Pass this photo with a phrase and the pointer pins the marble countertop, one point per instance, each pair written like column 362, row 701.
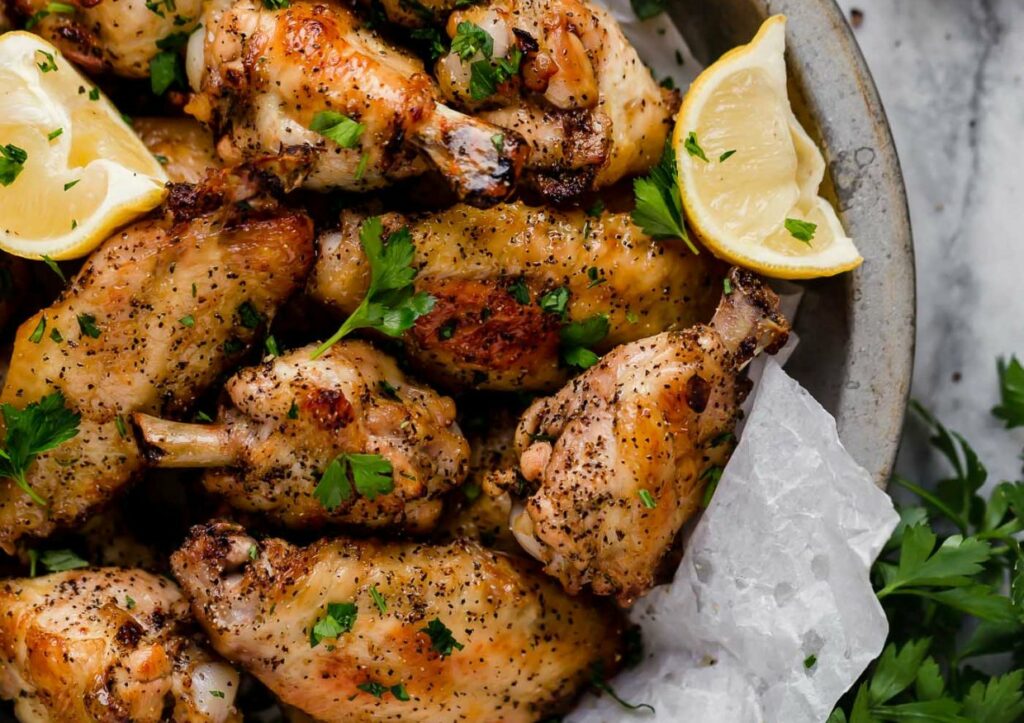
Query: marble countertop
column 951, row 76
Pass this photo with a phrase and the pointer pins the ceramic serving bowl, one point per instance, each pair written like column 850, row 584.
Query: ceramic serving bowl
column 857, row 330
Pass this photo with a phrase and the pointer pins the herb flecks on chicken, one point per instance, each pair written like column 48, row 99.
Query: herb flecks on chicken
column 122, row 347
column 265, row 77
column 617, row 460
column 108, row 644
column 284, row 442
column 465, row 634
column 507, row 280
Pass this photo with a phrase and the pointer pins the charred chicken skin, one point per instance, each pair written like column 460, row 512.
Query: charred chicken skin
column 426, row 633
column 157, row 313
column 581, row 97
column 508, row 278
column 107, row 644
column 284, row 421
column 618, row 457
column 264, row 77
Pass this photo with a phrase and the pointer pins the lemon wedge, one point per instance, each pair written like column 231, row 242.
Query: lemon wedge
column 71, row 170
column 748, row 171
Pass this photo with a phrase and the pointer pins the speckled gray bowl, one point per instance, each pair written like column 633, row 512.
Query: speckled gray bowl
column 856, row 331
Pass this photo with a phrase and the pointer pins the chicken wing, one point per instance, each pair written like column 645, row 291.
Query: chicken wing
column 157, row 313
column 490, row 270
column 618, row 457
column 283, row 422
column 582, row 98
column 107, row 644
column 416, row 633
column 117, row 36
column 182, row 145
column 264, row 77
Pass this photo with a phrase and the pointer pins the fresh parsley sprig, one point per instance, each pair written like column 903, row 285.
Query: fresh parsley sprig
column 659, row 204
column 391, row 304
column 1011, row 384
column 39, row 427
column 368, row 474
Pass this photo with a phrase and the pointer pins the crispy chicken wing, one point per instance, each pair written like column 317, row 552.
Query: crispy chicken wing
column 118, row 36
column 618, row 456
column 107, row 644
column 157, row 313
column 583, row 100
column 263, row 76
column 489, row 269
column 469, row 635
column 283, row 422
column 182, row 145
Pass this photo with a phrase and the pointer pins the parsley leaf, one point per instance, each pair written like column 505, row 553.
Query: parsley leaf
column 647, row 9
column 87, row 325
column 61, row 560
column 692, row 147
column 659, row 205
column 48, row 63
column 1001, row 700
column 433, row 40
column 337, row 127
column 12, row 163
column 276, row 4
column 166, row 67
column 339, row 619
column 52, row 266
column 368, row 474
column 378, row 600
column 441, row 639
column 1011, row 393
column 555, row 301
column 51, row 8
column 39, row 427
column 391, row 305
column 578, row 336
column 486, row 75
column 471, row 39
column 647, row 499
column 801, row 230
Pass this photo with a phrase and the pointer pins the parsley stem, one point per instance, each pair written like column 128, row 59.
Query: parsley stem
column 933, row 500
column 23, row 483
column 343, row 330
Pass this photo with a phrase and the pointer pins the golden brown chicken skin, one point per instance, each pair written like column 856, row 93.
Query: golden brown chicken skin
column 617, row 458
column 107, row 644
column 263, row 76
column 283, row 422
column 518, row 649
column 156, row 314
column 582, row 98
column 489, row 269
column 112, row 36
column 182, row 145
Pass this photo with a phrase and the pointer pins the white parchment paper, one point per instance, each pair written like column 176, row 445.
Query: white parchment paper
column 771, row 615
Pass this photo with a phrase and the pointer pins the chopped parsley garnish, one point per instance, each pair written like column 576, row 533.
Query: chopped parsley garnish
column 519, row 291
column 578, row 336
column 726, row 286
column 554, row 301
column 471, row 491
column 668, row 83
column 39, row 427
column 498, row 141
column 364, row 160
column 378, row 600
column 486, row 75
column 441, row 639
column 659, row 205
column 293, row 411
column 801, row 230
column 71, row 184
column 33, row 560
column 470, row 39
column 161, row 159
column 61, row 560
column 122, row 430
column 217, row 693
column 233, row 346
column 276, row 4
column 1011, row 393
column 432, row 38
column 369, row 474
column 631, row 316
column 37, row 334
column 693, row 147
column 596, row 210
column 55, row 335
column 87, row 325
column 203, row 417
column 712, row 475
column 56, row 133
column 391, row 304
column 340, row 618
column 597, row 679
column 187, row 320
column 159, row 6
column 726, row 156
column 337, row 127
column 254, row 552
column 647, row 9
column 12, row 163
column 647, row 499
column 594, row 274
column 129, row 602
column 94, row 94
column 387, row 389
column 374, row 688
column 447, row 330
column 810, row 661
column 51, row 8
column 166, row 67
column 48, row 64
column 249, row 316
column 270, row 344
column 399, row 692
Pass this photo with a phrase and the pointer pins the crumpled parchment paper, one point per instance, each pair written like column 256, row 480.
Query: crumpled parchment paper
column 771, row 615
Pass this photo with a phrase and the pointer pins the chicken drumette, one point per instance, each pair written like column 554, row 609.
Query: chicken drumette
column 157, row 313
column 265, row 77
column 416, row 632
column 107, row 644
column 581, row 97
column 508, row 279
column 283, row 422
column 618, row 458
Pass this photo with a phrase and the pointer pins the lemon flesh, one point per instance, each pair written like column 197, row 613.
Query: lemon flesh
column 762, row 168
column 86, row 172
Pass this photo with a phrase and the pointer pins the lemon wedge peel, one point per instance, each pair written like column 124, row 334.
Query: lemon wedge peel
column 737, row 207
column 78, row 186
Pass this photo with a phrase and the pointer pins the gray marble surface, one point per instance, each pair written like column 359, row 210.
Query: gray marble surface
column 951, row 76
